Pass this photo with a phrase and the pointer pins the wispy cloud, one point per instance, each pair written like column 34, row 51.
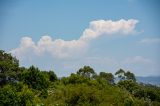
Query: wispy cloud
column 141, row 65
column 60, row 48
column 150, row 40
column 137, row 60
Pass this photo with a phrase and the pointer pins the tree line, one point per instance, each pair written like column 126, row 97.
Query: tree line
column 20, row 86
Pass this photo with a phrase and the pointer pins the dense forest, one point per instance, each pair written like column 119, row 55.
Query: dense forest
column 20, row 86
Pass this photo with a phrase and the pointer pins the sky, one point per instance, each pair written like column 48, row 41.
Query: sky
column 65, row 35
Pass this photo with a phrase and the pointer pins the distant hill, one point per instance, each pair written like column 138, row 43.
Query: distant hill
column 154, row 80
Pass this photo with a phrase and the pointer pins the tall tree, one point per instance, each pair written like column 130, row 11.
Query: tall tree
column 8, row 67
column 130, row 76
column 125, row 75
column 52, row 76
column 86, row 71
column 35, row 79
column 121, row 74
column 107, row 76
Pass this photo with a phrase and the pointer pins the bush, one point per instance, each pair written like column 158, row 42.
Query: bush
column 35, row 79
column 10, row 96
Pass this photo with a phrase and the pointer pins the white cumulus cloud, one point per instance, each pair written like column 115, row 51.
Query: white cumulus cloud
column 60, row 48
column 57, row 48
column 109, row 27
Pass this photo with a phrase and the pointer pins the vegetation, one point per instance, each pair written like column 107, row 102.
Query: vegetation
column 20, row 86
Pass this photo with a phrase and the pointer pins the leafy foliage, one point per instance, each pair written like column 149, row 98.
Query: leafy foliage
column 8, row 68
column 107, row 76
column 86, row 71
column 129, row 85
column 20, row 86
column 122, row 75
column 130, row 76
column 11, row 97
column 35, row 79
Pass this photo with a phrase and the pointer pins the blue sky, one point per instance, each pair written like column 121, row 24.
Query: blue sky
column 60, row 25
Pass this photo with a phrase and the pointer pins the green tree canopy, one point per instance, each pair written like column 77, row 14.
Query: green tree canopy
column 120, row 74
column 86, row 71
column 130, row 76
column 52, row 76
column 107, row 76
column 35, row 79
column 125, row 75
column 8, row 68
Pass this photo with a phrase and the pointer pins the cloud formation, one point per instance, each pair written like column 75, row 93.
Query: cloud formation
column 60, row 48
column 150, row 40
column 141, row 66
column 57, row 48
column 137, row 60
column 109, row 27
